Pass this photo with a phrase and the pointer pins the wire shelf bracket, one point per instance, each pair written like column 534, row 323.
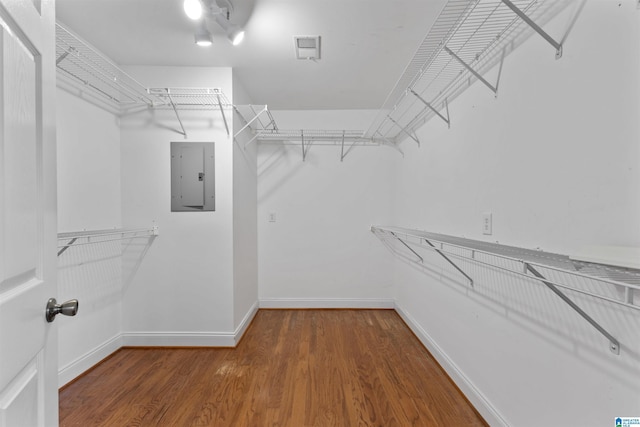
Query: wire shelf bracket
column 175, row 110
column 614, row 345
column 415, row 137
column 443, row 255
column 447, row 120
column 493, row 88
column 535, row 26
column 255, row 123
column 608, row 283
column 304, row 150
column 343, row 153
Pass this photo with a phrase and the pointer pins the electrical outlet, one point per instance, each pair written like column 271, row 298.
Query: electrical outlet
column 272, row 217
column 486, row 223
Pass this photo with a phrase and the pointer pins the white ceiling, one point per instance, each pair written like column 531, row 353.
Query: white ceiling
column 366, row 44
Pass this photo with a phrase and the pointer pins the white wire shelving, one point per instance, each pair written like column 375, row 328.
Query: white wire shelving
column 260, row 126
column 92, row 237
column 469, row 38
column 83, row 66
column 557, row 272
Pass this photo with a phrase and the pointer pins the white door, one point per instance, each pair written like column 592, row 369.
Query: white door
column 28, row 343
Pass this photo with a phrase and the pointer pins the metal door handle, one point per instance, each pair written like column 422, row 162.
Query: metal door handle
column 69, row 308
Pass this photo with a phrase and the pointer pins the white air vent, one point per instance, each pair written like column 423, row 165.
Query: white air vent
column 307, row 47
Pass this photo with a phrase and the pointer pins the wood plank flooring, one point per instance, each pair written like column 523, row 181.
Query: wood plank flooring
column 293, row 368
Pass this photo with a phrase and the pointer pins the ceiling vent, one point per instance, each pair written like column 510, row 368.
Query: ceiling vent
column 307, row 47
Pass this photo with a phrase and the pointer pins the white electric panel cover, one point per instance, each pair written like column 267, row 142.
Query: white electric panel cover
column 192, row 176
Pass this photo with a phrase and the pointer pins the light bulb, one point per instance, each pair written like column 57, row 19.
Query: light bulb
column 238, row 38
column 193, row 9
column 236, row 35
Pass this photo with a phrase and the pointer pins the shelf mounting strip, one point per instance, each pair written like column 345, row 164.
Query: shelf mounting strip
column 560, row 272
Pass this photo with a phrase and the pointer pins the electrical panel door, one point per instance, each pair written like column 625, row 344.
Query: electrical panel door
column 192, row 176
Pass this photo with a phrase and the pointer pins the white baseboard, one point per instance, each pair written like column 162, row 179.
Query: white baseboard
column 326, row 303
column 475, row 396
column 246, row 321
column 189, row 339
column 154, row 339
column 88, row 360
column 177, row 339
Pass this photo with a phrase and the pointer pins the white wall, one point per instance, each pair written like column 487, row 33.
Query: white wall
column 556, row 160
column 319, row 252
column 245, row 226
column 88, row 156
column 177, row 289
column 182, row 291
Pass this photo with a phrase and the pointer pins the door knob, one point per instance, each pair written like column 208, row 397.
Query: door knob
column 69, row 308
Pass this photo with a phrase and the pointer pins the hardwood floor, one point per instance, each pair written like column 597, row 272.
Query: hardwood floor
column 293, row 368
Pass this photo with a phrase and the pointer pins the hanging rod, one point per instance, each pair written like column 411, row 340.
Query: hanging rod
column 69, row 239
column 557, row 272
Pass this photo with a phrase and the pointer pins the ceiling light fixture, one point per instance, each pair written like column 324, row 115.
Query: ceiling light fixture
column 203, row 36
column 219, row 11
column 193, row 9
column 235, row 34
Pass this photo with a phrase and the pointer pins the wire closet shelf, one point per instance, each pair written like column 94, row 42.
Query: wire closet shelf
column 84, row 67
column 467, row 40
column 260, row 126
column 92, row 237
column 558, row 272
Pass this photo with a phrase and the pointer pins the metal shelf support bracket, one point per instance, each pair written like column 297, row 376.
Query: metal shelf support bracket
column 471, row 70
column 408, row 247
column 391, row 143
column 536, row 27
column 442, row 254
column 404, row 130
column 175, row 110
column 67, row 246
column 446, row 119
column 614, row 345
column 65, row 54
column 304, row 149
column 224, row 118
